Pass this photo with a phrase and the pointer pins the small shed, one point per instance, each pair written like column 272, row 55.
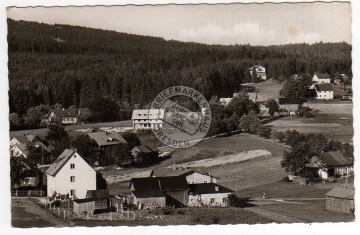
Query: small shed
column 84, row 205
column 340, row 199
column 101, row 198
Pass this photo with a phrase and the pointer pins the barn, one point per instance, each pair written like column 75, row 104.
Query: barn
column 84, row 205
column 100, row 196
column 340, row 199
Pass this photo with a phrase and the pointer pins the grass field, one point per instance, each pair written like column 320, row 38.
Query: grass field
column 267, row 89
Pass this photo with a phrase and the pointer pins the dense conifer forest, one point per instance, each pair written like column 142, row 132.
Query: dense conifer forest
column 72, row 65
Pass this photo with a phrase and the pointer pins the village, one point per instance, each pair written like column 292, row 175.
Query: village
column 253, row 171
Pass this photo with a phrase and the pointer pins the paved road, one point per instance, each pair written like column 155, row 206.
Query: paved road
column 25, row 213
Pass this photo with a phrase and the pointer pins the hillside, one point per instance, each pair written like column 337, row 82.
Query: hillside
column 70, row 65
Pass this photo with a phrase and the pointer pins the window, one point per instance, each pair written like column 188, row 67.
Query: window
column 72, row 178
column 205, row 182
column 212, row 200
column 72, row 192
column 72, row 166
column 225, row 200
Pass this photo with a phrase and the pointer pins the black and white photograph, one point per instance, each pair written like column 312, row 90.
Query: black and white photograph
column 226, row 113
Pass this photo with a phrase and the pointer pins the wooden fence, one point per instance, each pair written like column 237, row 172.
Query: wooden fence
column 30, row 193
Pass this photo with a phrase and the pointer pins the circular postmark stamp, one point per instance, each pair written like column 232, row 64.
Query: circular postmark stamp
column 178, row 125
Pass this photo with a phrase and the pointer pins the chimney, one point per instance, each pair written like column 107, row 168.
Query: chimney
column 159, row 184
column 216, row 188
column 75, row 149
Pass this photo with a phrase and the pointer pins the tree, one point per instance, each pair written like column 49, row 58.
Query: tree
column 16, row 170
column 242, row 105
column 273, row 106
column 103, row 109
column 217, row 127
column 34, row 154
column 32, row 117
column 232, row 123
column 86, row 147
column 100, row 181
column 250, row 123
column 294, row 161
column 280, row 136
column 56, row 132
column 121, row 154
column 15, row 121
column 264, row 132
column 131, row 138
column 233, row 200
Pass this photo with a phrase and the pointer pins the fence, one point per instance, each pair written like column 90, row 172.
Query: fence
column 30, row 193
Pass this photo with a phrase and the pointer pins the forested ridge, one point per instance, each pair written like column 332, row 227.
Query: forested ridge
column 70, row 65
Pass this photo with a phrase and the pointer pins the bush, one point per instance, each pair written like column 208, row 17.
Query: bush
column 280, row 136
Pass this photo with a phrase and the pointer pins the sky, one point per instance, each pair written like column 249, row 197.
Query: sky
column 255, row 24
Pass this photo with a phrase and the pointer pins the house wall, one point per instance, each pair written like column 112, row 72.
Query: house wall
column 220, row 199
column 340, row 204
column 197, row 178
column 79, row 208
column 340, row 170
column 85, row 178
column 179, row 196
column 325, row 95
column 13, row 141
column 160, row 201
column 16, row 152
column 69, row 120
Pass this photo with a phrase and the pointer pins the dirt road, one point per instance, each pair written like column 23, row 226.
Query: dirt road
column 25, row 213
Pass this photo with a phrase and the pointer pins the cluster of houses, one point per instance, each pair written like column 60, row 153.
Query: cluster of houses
column 70, row 115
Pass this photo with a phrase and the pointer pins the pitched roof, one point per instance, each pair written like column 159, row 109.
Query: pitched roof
column 70, row 112
column 25, row 138
column 145, row 148
column 84, row 200
column 60, row 162
column 208, row 188
column 335, row 158
column 322, row 76
column 22, row 148
column 165, row 172
column 324, row 87
column 103, row 138
column 153, row 184
column 291, row 101
column 347, row 193
column 98, row 194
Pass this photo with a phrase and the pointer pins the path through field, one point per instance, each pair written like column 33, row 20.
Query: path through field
column 26, row 214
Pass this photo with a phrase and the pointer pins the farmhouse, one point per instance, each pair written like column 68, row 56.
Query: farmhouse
column 144, row 154
column 209, row 194
column 160, row 191
column 291, row 105
column 330, row 164
column 225, row 101
column 70, row 174
column 85, row 205
column 323, row 91
column 22, row 140
column 192, row 175
column 107, row 141
column 147, row 118
column 321, row 78
column 64, row 116
column 341, row 199
column 260, row 71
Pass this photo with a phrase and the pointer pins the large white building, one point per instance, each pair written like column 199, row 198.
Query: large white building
column 147, row 118
column 323, row 91
column 321, row 78
column 70, row 175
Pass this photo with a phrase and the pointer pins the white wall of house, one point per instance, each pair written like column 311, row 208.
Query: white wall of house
column 13, row 141
column 159, row 201
column 69, row 120
column 323, row 174
column 316, row 79
column 214, row 199
column 197, row 178
column 325, row 95
column 16, row 152
column 85, row 178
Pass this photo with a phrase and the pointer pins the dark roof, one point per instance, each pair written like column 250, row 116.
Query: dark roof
column 22, row 148
column 84, row 200
column 98, row 194
column 347, row 193
column 324, row 87
column 151, row 186
column 83, row 110
column 60, row 162
column 145, row 148
column 323, row 76
column 161, row 172
column 70, row 112
column 103, row 138
column 148, row 193
column 208, row 188
column 337, row 158
column 291, row 101
column 349, row 156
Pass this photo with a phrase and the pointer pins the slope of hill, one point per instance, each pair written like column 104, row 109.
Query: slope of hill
column 71, row 65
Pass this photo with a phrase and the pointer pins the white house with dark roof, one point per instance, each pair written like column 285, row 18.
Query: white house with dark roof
column 260, row 71
column 323, row 91
column 208, row 194
column 70, row 175
column 321, row 78
column 192, row 175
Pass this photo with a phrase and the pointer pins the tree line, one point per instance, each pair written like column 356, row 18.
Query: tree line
column 70, row 65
